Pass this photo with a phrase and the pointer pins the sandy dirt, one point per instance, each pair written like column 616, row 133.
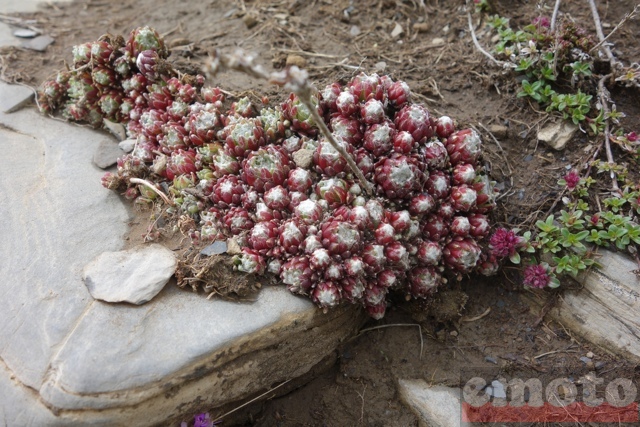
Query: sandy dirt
column 475, row 323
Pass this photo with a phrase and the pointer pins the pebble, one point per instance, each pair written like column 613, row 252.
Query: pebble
column 438, row 41
column 490, row 360
column 303, row 158
column 39, row 43
column 354, row 31
column 233, row 247
column 215, row 248
column 127, row 145
column 14, row 97
column 24, row 33
column 107, row 154
column 453, row 333
column 296, row 60
column 599, row 365
column 380, row 66
column 397, row 31
column 557, row 135
column 421, row 27
column 590, row 355
column 116, row 129
column 250, row 21
column 499, row 131
column 135, row 275
column 585, row 359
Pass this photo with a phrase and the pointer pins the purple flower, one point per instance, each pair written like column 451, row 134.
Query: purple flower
column 504, row 242
column 572, row 179
column 536, row 276
column 202, row 420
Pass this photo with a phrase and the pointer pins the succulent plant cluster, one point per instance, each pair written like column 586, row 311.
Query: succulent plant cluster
column 267, row 178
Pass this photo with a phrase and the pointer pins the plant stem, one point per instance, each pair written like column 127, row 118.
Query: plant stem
column 596, row 19
column 602, row 94
column 297, row 81
column 306, row 100
column 153, row 188
column 477, row 44
column 628, row 16
column 554, row 17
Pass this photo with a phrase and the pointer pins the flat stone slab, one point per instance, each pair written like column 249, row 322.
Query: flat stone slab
column 135, row 275
column 69, row 360
column 14, row 97
column 39, row 43
column 606, row 310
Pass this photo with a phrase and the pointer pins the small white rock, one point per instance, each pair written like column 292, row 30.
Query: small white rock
column 397, row 31
column 557, row 135
column 127, row 145
column 25, row 33
column 437, row 41
column 135, row 275
column 116, row 129
column 303, row 158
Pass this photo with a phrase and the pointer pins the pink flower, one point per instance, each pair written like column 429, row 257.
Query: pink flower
column 504, row 242
column 572, row 179
column 632, row 137
column 536, row 276
column 541, row 21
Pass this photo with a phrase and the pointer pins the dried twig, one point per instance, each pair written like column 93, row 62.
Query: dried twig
column 221, row 417
column 477, row 44
column 627, row 17
column 596, row 19
column 554, row 17
column 603, row 94
column 478, row 317
column 153, row 188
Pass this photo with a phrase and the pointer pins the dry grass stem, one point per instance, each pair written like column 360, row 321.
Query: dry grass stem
column 153, row 188
column 628, row 16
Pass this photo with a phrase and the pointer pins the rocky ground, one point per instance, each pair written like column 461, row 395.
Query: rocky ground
column 479, row 322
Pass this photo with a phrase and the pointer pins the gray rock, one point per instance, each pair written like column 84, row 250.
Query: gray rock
column 116, row 129
column 557, row 135
column 436, row 406
column 127, row 145
column 39, row 43
column 135, row 275
column 25, row 33
column 107, row 154
column 14, row 97
column 68, row 360
column 215, row 248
